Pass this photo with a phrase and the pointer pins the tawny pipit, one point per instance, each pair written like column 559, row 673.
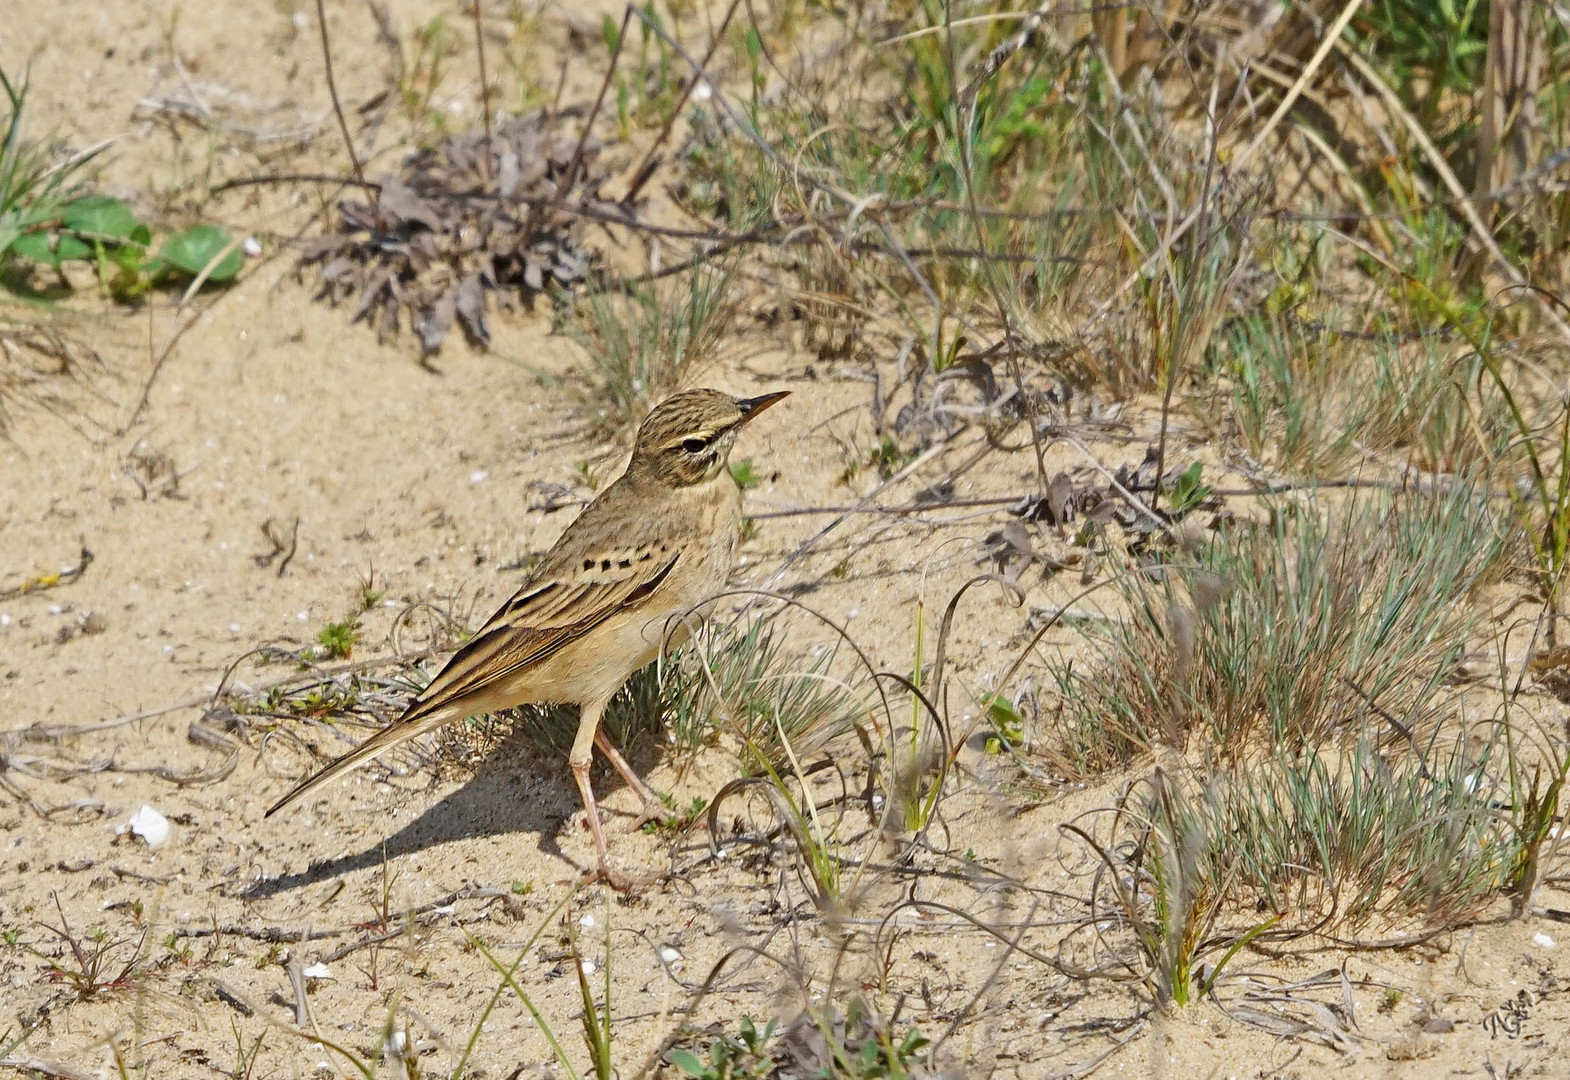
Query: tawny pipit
column 600, row 604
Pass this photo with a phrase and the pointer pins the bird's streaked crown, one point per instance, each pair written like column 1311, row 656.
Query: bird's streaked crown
column 685, row 438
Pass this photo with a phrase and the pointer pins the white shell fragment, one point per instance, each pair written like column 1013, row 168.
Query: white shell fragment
column 318, row 971
column 149, row 824
column 1542, row 940
column 252, row 246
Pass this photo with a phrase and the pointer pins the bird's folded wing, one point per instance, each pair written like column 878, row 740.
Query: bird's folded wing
column 547, row 613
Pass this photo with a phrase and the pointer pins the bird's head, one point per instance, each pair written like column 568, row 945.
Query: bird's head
column 686, row 438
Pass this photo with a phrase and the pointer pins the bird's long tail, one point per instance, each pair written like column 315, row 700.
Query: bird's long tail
column 412, row 724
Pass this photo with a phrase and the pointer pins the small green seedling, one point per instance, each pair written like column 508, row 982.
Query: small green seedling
column 1187, row 492
column 887, row 458
column 746, row 474
column 1008, row 727
column 742, row 1057
column 339, row 638
column 680, row 819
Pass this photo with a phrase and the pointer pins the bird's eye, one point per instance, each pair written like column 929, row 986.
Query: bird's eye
column 695, row 445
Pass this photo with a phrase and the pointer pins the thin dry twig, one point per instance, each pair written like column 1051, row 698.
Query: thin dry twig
column 27, row 1063
column 332, row 90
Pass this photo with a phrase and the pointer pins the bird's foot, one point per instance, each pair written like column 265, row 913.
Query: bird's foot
column 619, row 880
column 653, row 810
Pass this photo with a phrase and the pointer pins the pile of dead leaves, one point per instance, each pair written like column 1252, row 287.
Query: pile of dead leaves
column 471, row 218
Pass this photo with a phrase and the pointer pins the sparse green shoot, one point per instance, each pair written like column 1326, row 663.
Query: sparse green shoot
column 338, row 639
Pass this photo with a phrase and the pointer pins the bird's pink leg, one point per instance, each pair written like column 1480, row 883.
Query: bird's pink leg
column 580, row 759
column 653, row 808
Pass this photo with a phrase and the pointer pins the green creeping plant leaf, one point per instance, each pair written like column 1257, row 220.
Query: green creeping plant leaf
column 102, row 218
column 192, row 250
column 687, row 1063
column 51, row 250
column 1187, row 491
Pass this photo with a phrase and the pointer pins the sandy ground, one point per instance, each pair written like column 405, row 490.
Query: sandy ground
column 270, row 408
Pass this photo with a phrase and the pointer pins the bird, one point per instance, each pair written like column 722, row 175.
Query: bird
column 610, row 594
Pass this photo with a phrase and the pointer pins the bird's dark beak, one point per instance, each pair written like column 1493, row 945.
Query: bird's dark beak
column 752, row 406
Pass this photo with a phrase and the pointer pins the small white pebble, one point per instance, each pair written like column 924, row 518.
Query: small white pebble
column 234, row 628
column 703, row 91
column 1542, row 940
column 586, row 922
column 5, row 620
column 588, row 967
column 852, row 613
column 318, row 971
column 445, row 909
column 478, row 476
column 252, row 246
column 55, row 609
column 669, row 955
column 303, row 616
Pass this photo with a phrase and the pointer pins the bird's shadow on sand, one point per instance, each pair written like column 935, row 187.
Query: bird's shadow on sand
column 515, row 790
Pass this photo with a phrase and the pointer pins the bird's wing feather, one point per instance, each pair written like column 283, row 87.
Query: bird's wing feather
column 543, row 616
column 559, row 604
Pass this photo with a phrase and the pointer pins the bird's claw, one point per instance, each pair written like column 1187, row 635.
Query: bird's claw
column 604, row 873
column 653, row 810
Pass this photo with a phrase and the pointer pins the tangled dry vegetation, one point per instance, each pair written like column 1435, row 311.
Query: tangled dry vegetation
column 476, row 215
column 1285, row 281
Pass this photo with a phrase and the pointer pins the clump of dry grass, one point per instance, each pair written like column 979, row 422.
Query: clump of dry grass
column 1322, row 623
column 45, row 366
column 1315, row 777
column 1329, row 840
column 645, row 341
column 735, row 680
